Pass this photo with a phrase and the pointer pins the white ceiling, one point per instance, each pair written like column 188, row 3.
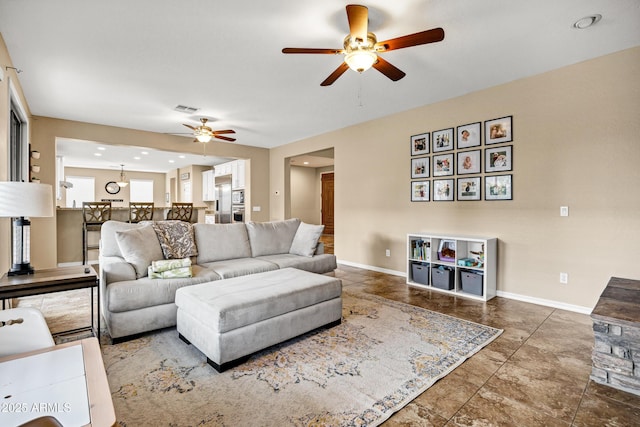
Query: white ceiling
column 129, row 63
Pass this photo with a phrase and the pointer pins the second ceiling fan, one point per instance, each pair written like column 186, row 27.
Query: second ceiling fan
column 361, row 48
column 204, row 133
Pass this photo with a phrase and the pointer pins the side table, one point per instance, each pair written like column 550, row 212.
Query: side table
column 54, row 280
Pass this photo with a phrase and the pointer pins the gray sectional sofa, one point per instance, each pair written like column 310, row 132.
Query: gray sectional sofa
column 132, row 303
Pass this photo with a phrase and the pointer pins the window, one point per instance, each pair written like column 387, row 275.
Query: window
column 83, row 190
column 141, row 190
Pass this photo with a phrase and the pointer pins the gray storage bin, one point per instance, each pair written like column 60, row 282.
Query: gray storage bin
column 442, row 277
column 420, row 272
column 471, row 282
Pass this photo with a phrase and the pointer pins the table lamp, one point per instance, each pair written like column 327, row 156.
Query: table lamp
column 19, row 200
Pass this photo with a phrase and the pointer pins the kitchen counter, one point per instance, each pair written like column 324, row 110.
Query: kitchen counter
column 69, row 229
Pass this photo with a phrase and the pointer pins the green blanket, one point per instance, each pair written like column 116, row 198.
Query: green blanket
column 169, row 264
column 174, row 273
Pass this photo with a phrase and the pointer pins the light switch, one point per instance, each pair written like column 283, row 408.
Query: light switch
column 564, row 210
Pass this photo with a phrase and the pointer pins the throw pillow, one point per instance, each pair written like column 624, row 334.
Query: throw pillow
column 306, row 239
column 176, row 239
column 271, row 238
column 139, row 247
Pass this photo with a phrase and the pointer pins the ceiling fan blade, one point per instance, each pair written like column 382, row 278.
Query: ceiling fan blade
column 358, row 17
column 217, row 132
column 388, row 70
column 334, row 76
column 423, row 37
column 189, row 126
column 310, row 50
column 224, row 137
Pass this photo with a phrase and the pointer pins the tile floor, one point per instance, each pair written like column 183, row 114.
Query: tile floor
column 535, row 374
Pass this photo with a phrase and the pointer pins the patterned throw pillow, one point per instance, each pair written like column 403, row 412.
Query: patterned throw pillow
column 176, row 239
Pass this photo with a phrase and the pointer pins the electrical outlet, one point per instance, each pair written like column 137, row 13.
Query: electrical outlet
column 564, row 210
column 564, row 278
column 387, row 252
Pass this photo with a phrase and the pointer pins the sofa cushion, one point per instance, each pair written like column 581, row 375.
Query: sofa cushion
column 240, row 267
column 270, row 238
column 176, row 238
column 139, row 247
column 217, row 242
column 108, row 244
column 306, row 239
column 145, row 292
column 316, row 264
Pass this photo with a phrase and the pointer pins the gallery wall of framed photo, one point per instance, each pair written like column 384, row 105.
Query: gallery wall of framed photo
column 463, row 163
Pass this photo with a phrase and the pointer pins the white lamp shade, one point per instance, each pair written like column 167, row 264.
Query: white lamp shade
column 26, row 199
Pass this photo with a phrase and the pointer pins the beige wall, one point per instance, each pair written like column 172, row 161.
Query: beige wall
column 575, row 144
column 305, row 203
column 44, row 133
column 103, row 176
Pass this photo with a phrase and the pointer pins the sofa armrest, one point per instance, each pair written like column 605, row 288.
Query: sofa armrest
column 115, row 269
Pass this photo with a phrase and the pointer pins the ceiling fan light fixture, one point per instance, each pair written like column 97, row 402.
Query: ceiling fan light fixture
column 203, row 137
column 360, row 60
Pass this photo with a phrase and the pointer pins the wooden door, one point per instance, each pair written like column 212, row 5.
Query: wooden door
column 327, row 202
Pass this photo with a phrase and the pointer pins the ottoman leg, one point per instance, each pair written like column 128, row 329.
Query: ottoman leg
column 183, row 338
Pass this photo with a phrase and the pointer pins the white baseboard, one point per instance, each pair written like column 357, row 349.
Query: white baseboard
column 545, row 302
column 502, row 294
column 372, row 268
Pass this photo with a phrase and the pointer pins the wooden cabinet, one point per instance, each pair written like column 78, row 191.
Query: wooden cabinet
column 461, row 265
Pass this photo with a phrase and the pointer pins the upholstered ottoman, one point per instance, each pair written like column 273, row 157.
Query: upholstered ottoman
column 230, row 319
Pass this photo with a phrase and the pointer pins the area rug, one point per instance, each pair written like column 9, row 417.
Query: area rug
column 382, row 356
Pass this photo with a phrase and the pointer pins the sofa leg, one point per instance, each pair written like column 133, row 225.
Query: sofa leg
column 183, row 338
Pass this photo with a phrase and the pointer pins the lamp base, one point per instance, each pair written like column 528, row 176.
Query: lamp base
column 20, row 269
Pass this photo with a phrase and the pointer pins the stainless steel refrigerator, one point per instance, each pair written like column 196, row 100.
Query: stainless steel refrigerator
column 223, row 199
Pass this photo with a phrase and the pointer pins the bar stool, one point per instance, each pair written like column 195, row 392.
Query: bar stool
column 180, row 211
column 140, row 212
column 94, row 214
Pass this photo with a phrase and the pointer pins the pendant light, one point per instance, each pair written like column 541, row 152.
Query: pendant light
column 123, row 179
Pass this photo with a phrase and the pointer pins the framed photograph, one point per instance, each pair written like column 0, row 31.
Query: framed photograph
column 468, row 135
column 498, row 187
column 420, row 167
column 468, row 162
column 419, row 191
column 443, row 165
column 443, row 190
column 469, row 188
column 499, row 130
column 443, row 140
column 498, row 159
column 420, row 144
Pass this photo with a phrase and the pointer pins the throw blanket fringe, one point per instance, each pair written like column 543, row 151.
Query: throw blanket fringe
column 169, row 264
column 175, row 273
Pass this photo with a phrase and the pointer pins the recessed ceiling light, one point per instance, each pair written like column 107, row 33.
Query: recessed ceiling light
column 144, row 152
column 182, row 156
column 97, row 154
column 101, row 148
column 305, row 163
column 172, row 161
column 587, row 21
column 137, row 158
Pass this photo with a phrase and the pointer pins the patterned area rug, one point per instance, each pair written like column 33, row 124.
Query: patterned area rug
column 359, row 373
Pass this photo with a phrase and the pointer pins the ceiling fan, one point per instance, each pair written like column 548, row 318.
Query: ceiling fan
column 361, row 48
column 204, row 133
